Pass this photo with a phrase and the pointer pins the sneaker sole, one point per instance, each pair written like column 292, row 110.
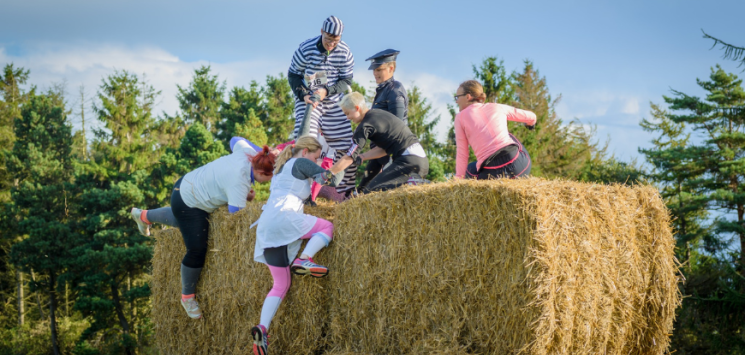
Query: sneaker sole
column 314, row 271
column 257, row 335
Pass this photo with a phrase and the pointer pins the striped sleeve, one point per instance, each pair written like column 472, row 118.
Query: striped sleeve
column 299, row 62
column 347, row 68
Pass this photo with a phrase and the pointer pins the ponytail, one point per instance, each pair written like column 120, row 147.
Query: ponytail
column 290, row 150
column 474, row 88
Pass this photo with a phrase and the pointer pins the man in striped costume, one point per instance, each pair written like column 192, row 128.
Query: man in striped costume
column 323, row 66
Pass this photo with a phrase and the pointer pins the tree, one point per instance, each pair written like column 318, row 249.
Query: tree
column 702, row 180
column 555, row 149
column 422, row 124
column 279, row 107
column 11, row 100
column 240, row 116
column 202, row 99
column 730, row 51
column 10, row 108
column 42, row 161
column 111, row 263
column 493, row 77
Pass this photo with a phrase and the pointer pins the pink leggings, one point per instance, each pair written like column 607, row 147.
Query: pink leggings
column 281, row 274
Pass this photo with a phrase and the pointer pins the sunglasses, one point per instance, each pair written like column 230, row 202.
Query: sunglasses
column 457, row 96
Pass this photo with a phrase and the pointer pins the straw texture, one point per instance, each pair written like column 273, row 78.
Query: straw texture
column 525, row 266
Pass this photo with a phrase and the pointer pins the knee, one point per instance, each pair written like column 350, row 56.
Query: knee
column 195, row 258
column 326, row 227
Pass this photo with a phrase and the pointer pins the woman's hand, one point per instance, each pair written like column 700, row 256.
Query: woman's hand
column 251, row 195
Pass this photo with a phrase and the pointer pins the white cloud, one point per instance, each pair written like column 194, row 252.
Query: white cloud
column 88, row 64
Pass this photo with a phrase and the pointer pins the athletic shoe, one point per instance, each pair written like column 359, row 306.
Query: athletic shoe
column 308, row 267
column 142, row 226
column 258, row 333
column 192, row 308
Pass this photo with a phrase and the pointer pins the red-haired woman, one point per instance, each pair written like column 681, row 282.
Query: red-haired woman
column 483, row 127
column 224, row 181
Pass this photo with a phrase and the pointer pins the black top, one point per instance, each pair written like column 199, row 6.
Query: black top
column 385, row 130
column 390, row 96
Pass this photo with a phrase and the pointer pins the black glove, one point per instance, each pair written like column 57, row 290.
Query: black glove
column 358, row 160
column 530, row 127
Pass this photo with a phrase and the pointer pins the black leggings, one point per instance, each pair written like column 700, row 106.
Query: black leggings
column 511, row 162
column 373, row 169
column 194, row 226
column 398, row 173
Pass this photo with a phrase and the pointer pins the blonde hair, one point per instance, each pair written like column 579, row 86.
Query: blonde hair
column 290, row 150
column 473, row 88
column 351, row 100
column 389, row 64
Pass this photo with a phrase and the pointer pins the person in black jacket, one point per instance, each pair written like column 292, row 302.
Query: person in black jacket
column 391, row 137
column 390, row 95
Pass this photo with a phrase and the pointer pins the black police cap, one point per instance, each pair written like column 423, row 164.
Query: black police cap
column 388, row 55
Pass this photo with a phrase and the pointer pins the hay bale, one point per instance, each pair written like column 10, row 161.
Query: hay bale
column 500, row 267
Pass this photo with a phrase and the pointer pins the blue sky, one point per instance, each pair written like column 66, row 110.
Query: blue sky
column 607, row 60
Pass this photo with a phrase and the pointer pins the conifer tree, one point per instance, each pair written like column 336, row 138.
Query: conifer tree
column 422, row 124
column 42, row 162
column 240, row 116
column 493, row 77
column 202, row 99
column 555, row 148
column 12, row 281
column 279, row 120
column 111, row 264
column 701, row 178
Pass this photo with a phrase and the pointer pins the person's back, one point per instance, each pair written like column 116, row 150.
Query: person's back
column 226, row 180
column 483, row 127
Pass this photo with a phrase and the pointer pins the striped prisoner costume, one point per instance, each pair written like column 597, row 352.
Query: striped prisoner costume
column 309, row 59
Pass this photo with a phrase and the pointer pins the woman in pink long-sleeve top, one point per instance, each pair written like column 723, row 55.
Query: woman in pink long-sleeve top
column 483, row 127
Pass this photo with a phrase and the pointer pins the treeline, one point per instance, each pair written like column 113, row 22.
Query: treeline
column 698, row 162
column 74, row 270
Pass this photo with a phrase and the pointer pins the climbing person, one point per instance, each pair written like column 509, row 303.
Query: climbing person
column 483, row 127
column 390, row 95
column 320, row 71
column 282, row 226
column 392, row 137
column 224, row 181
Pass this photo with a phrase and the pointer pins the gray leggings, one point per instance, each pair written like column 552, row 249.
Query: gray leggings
column 163, row 215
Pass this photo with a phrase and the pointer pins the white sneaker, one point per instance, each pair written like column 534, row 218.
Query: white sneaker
column 142, row 226
column 192, row 307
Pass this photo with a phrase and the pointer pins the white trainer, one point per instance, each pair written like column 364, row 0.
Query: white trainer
column 142, row 226
column 192, row 307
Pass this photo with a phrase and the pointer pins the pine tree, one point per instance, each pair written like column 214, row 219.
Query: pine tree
column 279, row 107
column 702, row 178
column 240, row 116
column 10, row 108
column 730, row 51
column 202, row 99
column 422, row 124
column 12, row 281
column 42, row 162
column 111, row 264
column 493, row 77
column 555, row 149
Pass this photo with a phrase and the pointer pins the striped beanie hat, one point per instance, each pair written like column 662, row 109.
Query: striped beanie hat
column 333, row 26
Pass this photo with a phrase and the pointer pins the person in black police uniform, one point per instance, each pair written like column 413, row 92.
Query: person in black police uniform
column 390, row 95
column 392, row 137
